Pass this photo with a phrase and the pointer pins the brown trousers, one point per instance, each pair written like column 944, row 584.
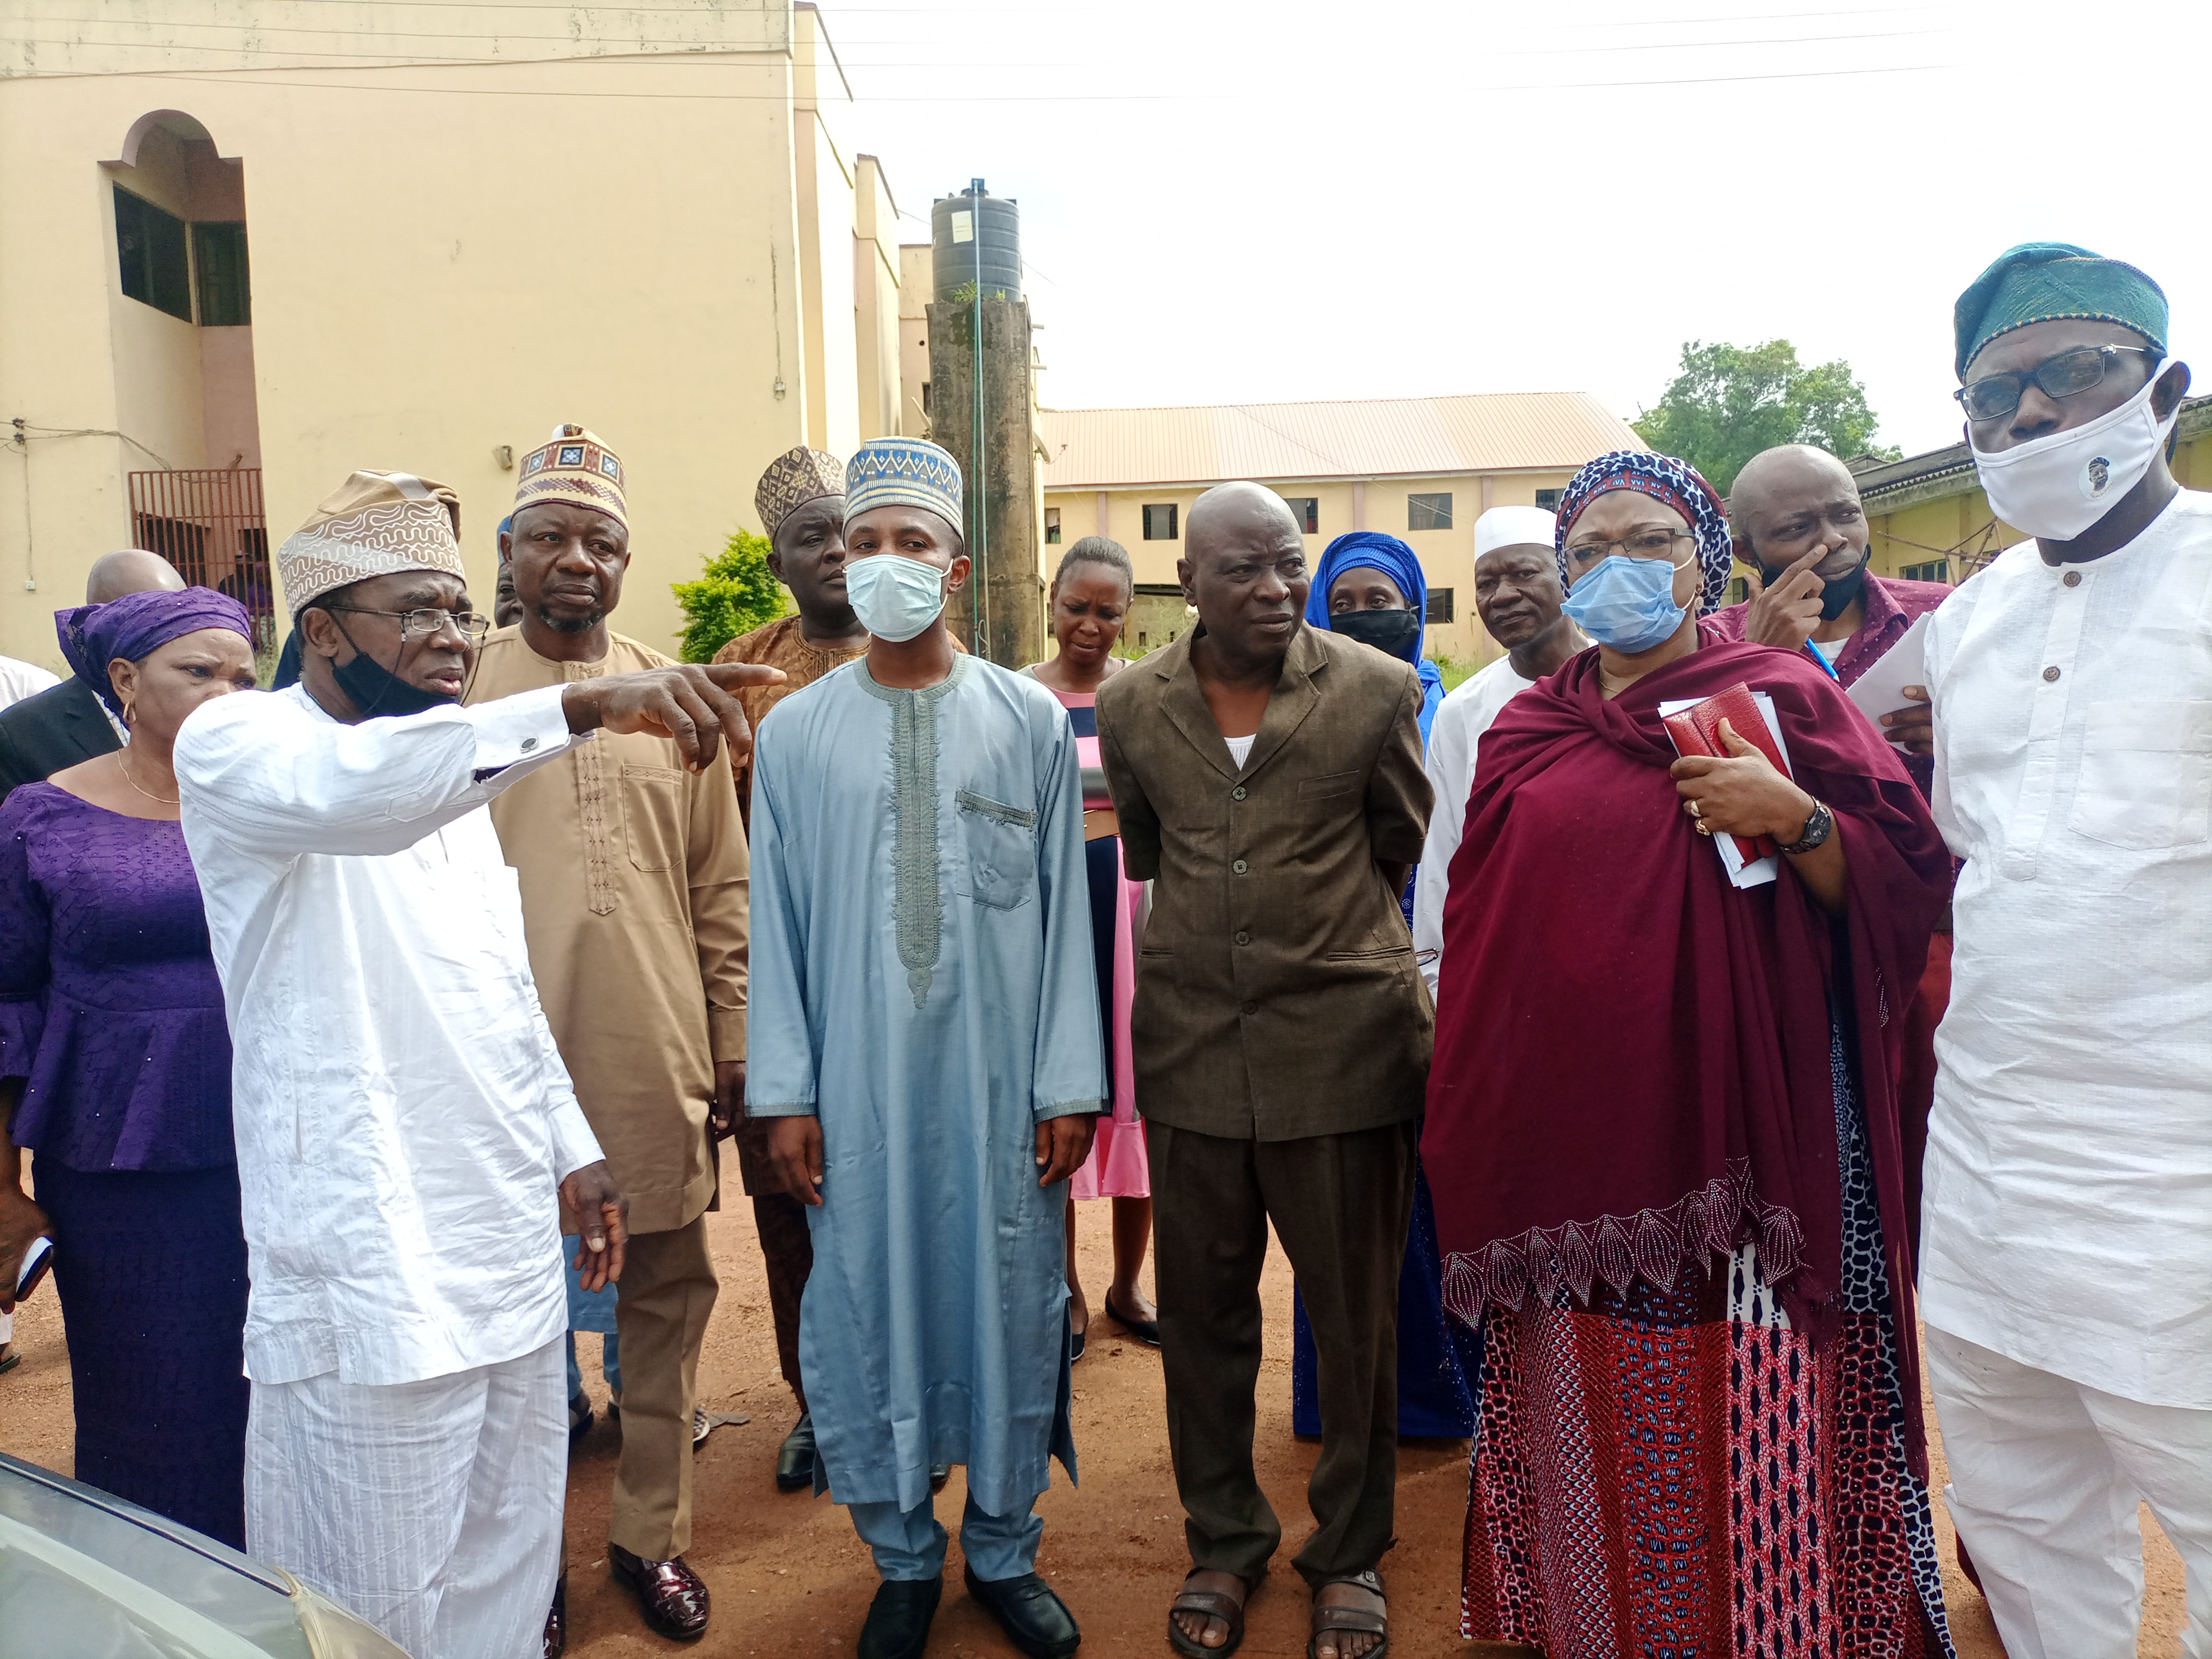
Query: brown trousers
column 667, row 1292
column 787, row 1247
column 1341, row 1204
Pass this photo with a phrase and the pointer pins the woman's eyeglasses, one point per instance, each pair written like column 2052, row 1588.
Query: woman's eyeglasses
column 1995, row 396
column 1653, row 543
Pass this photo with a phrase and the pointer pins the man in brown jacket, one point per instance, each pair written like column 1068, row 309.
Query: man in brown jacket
column 1268, row 778
column 635, row 878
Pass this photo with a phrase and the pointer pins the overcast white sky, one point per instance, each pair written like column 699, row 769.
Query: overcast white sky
column 1226, row 202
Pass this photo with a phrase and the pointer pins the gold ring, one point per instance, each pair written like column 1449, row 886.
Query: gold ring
column 1696, row 811
column 1703, row 828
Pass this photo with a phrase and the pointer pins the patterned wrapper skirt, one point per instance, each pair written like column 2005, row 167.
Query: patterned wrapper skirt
column 1680, row 1473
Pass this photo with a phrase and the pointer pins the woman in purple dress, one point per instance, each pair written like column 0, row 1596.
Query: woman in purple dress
column 115, row 1071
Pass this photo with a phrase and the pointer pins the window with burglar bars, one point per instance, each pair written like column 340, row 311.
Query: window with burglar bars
column 1548, row 499
column 1429, row 512
column 209, row 523
column 1440, row 605
column 1306, row 509
column 1160, row 522
column 1937, row 570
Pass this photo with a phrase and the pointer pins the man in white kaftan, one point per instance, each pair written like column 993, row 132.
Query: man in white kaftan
column 924, row 1012
column 403, row 1116
column 1517, row 594
column 2066, row 1264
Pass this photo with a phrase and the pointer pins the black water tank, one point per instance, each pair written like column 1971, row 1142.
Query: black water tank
column 971, row 226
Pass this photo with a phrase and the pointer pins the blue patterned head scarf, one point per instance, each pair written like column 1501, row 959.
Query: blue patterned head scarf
column 93, row 635
column 1665, row 479
column 1370, row 550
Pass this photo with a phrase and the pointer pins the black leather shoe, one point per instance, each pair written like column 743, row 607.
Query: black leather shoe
column 794, row 1459
column 557, row 1619
column 671, row 1596
column 938, row 1474
column 899, row 1617
column 1033, row 1616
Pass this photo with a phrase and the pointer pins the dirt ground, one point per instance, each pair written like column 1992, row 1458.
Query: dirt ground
column 789, row 1578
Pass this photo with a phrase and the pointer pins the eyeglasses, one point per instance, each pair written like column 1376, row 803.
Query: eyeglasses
column 1995, row 396
column 1650, row 543
column 421, row 624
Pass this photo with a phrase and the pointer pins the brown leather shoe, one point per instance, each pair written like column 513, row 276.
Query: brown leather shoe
column 671, row 1596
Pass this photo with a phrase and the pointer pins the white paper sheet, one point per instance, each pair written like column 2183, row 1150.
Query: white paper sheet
column 1881, row 689
column 1759, row 871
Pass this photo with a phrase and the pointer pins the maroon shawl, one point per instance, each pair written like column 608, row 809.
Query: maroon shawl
column 1631, row 1067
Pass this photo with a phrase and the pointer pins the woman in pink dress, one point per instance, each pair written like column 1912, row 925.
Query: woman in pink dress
column 1090, row 600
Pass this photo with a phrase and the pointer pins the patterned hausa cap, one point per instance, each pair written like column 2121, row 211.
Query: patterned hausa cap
column 904, row 472
column 792, row 479
column 372, row 525
column 575, row 466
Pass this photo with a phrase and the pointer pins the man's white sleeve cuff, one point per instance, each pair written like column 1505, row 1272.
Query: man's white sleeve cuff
column 574, row 1143
column 521, row 730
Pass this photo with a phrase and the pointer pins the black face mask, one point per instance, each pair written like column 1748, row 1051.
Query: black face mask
column 1836, row 596
column 1396, row 632
column 375, row 690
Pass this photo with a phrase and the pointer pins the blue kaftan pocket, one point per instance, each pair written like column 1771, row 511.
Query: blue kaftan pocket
column 999, row 844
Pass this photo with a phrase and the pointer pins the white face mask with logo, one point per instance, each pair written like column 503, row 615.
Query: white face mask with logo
column 2056, row 487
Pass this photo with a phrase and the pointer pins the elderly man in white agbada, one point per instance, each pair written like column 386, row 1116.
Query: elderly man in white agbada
column 403, row 1117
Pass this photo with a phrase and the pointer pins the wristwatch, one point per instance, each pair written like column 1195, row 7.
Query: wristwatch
column 1820, row 825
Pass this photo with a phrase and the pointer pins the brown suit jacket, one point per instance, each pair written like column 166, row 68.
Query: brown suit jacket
column 1276, row 996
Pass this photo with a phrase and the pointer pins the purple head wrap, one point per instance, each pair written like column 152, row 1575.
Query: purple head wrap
column 1663, row 479
column 93, row 635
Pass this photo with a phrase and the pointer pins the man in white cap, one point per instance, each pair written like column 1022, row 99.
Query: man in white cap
column 1518, row 595
column 926, row 1052
column 402, row 1113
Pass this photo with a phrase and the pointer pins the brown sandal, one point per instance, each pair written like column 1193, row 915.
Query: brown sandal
column 1357, row 1620
column 1211, row 1604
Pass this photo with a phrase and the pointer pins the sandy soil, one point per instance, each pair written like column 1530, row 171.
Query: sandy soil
column 789, row 1578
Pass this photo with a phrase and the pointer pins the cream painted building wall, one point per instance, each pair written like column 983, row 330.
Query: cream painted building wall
column 1447, row 556
column 466, row 222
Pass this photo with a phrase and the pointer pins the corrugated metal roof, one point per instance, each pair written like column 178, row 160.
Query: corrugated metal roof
column 1362, row 438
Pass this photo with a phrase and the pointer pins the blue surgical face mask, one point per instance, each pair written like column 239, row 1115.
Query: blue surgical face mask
column 1627, row 603
column 894, row 597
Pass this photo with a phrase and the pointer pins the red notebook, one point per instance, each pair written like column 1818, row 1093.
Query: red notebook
column 1697, row 730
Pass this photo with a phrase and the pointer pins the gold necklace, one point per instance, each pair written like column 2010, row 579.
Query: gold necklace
column 161, row 799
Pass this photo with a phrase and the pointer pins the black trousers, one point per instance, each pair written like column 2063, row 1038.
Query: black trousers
column 1339, row 1204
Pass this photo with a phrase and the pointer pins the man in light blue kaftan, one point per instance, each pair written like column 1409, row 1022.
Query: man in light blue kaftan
column 923, row 986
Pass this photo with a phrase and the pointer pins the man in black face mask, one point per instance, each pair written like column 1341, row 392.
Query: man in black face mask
column 1798, row 524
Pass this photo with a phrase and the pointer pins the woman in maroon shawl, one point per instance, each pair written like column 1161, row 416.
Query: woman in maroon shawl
column 1663, row 1134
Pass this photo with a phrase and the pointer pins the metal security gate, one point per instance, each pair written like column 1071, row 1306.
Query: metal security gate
column 209, row 523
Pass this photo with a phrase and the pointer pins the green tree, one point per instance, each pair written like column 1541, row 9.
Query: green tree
column 1730, row 402
column 735, row 594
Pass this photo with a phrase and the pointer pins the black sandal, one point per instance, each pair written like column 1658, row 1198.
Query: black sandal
column 1355, row 1621
column 1211, row 1604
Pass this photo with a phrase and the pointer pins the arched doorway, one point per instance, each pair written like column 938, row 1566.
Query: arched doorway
column 183, row 325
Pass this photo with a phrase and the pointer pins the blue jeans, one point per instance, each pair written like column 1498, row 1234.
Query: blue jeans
column 610, row 1364
column 910, row 1545
column 589, row 1310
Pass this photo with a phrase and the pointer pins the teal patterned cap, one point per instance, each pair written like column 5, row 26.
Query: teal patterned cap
column 904, row 472
column 2043, row 282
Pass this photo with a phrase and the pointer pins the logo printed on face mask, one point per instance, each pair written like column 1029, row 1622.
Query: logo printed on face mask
column 2054, row 487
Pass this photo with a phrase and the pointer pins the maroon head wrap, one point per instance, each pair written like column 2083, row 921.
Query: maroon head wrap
column 93, row 635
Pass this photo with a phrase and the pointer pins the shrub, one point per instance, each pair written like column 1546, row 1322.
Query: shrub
column 735, row 594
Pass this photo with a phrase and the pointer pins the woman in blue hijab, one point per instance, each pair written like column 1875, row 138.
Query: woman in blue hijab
column 1391, row 615
column 1369, row 588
